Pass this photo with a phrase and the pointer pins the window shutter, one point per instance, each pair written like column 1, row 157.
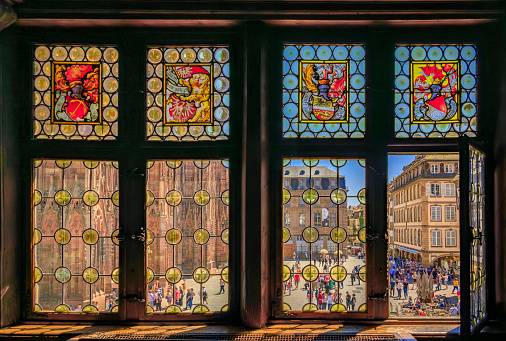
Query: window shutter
column 443, row 189
column 427, row 189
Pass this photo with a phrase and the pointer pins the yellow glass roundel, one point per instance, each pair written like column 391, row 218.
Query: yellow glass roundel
column 37, row 197
column 150, row 198
column 173, row 197
column 310, row 234
column 362, row 273
column 91, row 164
column 338, row 273
column 115, row 198
column 286, row 273
column 91, row 198
column 361, row 196
column 201, row 197
column 173, row 236
column 338, row 235
column 37, row 274
column 62, row 197
column 90, row 309
column 225, row 197
column 62, row 274
column 62, row 308
column 173, row 275
column 362, row 235
column 286, row 196
column 114, row 236
column 63, row 163
column 286, row 234
column 115, row 275
column 309, row 308
column 150, row 275
column 150, row 237
column 310, row 273
column 201, row 275
column 90, row 275
column 200, row 309
column 37, row 236
column 173, row 309
column 338, row 196
column 90, row 236
column 201, row 236
column 174, row 164
column 224, row 236
column 310, row 196
column 224, row 274
column 62, row 236
column 337, row 308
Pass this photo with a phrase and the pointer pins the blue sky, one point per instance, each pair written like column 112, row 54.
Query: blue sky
column 396, row 162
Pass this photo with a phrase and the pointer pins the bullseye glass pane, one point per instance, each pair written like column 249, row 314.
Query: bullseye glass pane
column 188, row 236
column 74, row 217
column 324, row 235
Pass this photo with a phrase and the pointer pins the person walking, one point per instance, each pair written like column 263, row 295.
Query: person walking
column 405, row 285
column 204, row 295
column 455, row 285
column 348, row 300
column 399, row 289
column 353, row 302
column 222, row 286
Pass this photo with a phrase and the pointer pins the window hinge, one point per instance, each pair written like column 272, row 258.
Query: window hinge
column 141, row 236
column 132, row 297
column 383, row 297
column 276, row 309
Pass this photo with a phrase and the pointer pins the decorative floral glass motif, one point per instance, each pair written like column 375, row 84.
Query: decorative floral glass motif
column 435, row 90
column 324, row 91
column 324, row 235
column 187, row 241
column 478, row 245
column 188, row 93
column 75, row 92
column 74, row 236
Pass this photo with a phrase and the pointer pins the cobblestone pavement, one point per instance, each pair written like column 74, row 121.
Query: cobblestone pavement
column 298, row 296
column 215, row 300
column 396, row 303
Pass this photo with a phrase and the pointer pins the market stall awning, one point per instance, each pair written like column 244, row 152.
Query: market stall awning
column 408, row 249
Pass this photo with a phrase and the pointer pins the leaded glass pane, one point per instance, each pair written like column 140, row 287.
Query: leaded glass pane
column 435, row 90
column 188, row 235
column 75, row 92
column 188, row 93
column 324, row 254
column 323, row 91
column 75, row 219
column 478, row 245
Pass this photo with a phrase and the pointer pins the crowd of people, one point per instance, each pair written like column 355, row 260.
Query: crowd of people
column 323, row 291
column 159, row 298
column 407, row 274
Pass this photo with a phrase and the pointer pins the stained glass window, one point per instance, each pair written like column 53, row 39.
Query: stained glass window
column 188, row 235
column 324, row 267
column 75, row 224
column 188, row 93
column 75, row 92
column 324, row 91
column 477, row 221
column 435, row 90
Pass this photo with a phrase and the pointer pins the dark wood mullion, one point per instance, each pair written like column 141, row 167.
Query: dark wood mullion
column 465, row 241
column 255, row 201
